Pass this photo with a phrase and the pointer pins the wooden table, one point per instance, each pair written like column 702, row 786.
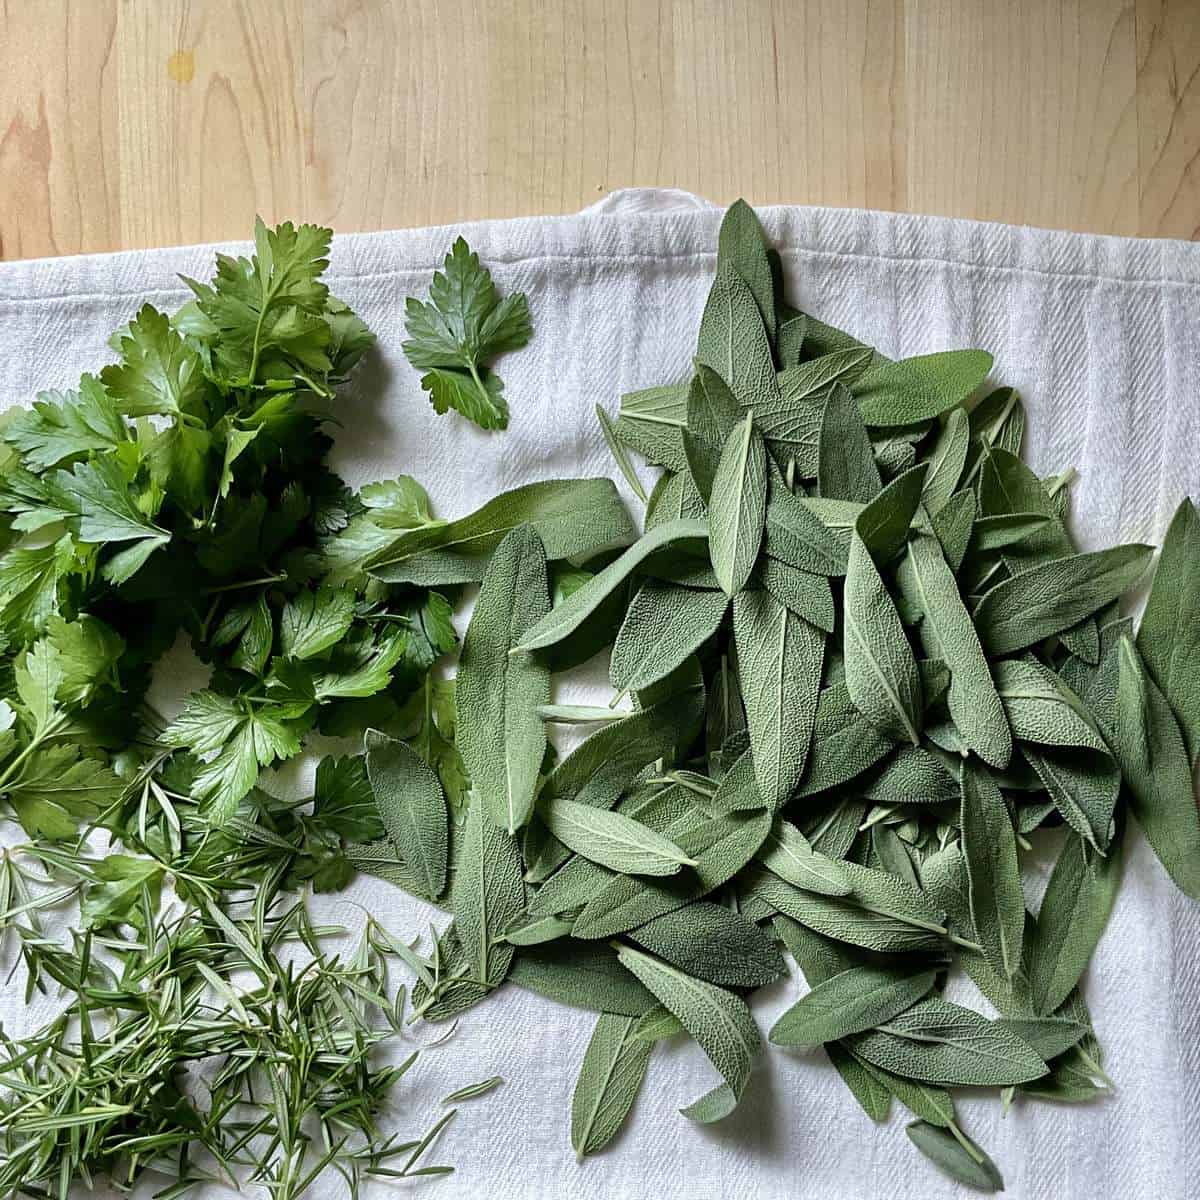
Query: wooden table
column 127, row 123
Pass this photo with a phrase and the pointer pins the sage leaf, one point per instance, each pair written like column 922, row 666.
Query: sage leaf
column 712, row 412
column 851, row 1002
column 807, row 595
column 537, row 931
column 566, row 617
column 1083, row 785
column 500, row 735
column 881, row 672
column 789, row 854
column 792, row 423
column 779, row 662
column 965, row 1163
column 712, row 942
column 412, row 808
column 657, row 1025
column 997, row 423
column 574, row 518
column 794, row 534
column 953, row 525
column 738, row 507
column 946, row 461
column 939, row 1042
column 890, row 853
column 844, row 743
column 487, row 896
column 600, row 768
column 674, row 498
column 1005, row 530
column 817, row 956
column 620, row 453
column 1007, row 485
column 733, row 340
column 846, row 467
column 1158, row 772
column 580, row 974
column 1042, row 709
column 790, row 335
column 947, row 633
column 652, row 420
column 880, row 913
column 663, row 626
column 884, row 523
column 610, row 1077
column 1075, row 909
column 742, row 245
column 923, row 1100
column 993, row 873
column 915, row 389
column 1049, row 1036
column 611, row 839
column 1169, row 635
column 1054, row 595
column 721, row 846
column 910, row 775
column 872, row 1095
column 718, row 1020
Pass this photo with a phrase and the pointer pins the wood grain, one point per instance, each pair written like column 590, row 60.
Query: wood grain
column 129, row 123
column 1168, row 105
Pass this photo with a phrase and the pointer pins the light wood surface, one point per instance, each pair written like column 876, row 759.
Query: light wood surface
column 129, row 123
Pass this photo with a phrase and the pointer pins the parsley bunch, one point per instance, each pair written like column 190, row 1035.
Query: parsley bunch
column 185, row 490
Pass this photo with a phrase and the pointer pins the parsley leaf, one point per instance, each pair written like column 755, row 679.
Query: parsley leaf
column 268, row 312
column 104, row 511
column 87, row 654
column 57, row 787
column 312, row 622
column 233, row 738
column 116, row 895
column 159, row 373
column 463, row 326
column 32, row 585
column 63, row 425
column 343, row 802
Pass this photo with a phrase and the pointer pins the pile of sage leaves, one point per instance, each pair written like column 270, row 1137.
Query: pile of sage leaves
column 858, row 664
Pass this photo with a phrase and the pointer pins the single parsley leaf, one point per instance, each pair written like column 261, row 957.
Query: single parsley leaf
column 390, row 506
column 36, row 500
column 63, row 425
column 343, row 802
column 104, row 511
column 462, row 326
column 178, row 457
column 268, row 313
column 312, row 622
column 159, row 373
column 32, row 584
column 57, row 788
column 234, row 739
column 116, row 895
column 87, row 651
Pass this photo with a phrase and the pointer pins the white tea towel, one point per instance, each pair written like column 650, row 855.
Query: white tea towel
column 1102, row 338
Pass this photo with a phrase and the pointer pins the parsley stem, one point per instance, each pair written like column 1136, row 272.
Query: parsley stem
column 244, row 583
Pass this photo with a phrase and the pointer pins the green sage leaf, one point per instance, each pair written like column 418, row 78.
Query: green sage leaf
column 500, row 735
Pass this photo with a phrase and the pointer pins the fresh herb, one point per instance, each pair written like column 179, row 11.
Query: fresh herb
column 867, row 664
column 461, row 328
